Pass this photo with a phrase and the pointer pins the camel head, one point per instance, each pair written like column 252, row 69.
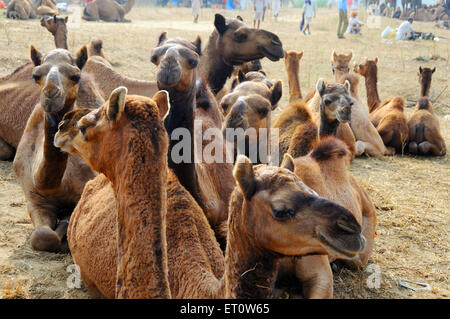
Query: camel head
column 53, row 23
column 58, row 74
column 254, row 76
column 425, row 75
column 287, row 217
column 251, row 66
column 238, row 43
column 99, row 136
column 340, row 62
column 292, row 59
column 336, row 100
column 176, row 60
column 366, row 68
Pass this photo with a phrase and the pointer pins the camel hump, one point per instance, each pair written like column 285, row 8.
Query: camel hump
column 398, row 101
column 329, row 148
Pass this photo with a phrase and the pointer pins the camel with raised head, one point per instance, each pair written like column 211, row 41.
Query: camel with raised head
column 388, row 117
column 292, row 65
column 137, row 233
column 368, row 141
column 340, row 64
column 425, row 76
column 107, row 10
column 57, row 26
column 424, row 132
column 231, row 44
column 51, row 180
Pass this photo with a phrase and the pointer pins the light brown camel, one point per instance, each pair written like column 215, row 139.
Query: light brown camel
column 46, row 8
column 57, row 26
column 231, row 44
column 388, row 117
column 338, row 95
column 137, row 233
column 292, row 65
column 368, row 141
column 424, row 132
column 326, row 171
column 51, row 180
column 208, row 178
column 19, row 94
column 425, row 75
column 340, row 64
column 20, row 9
column 107, row 10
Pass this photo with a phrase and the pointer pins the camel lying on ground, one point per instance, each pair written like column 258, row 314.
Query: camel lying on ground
column 107, row 10
column 137, row 233
column 25, row 9
column 51, row 180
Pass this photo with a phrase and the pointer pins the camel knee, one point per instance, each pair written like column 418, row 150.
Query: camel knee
column 412, row 148
column 360, row 148
column 45, row 239
column 424, row 147
column 6, row 151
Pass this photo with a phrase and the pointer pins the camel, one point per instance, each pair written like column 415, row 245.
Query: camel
column 292, row 64
column 335, row 95
column 57, row 26
column 51, row 181
column 340, row 64
column 425, row 75
column 424, row 132
column 137, row 233
column 19, row 94
column 25, row 9
column 368, row 140
column 326, row 171
column 231, row 44
column 208, row 178
column 388, row 117
column 46, row 8
column 107, row 10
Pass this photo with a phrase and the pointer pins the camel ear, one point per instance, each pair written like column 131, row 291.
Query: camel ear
column 220, row 23
column 433, row 70
column 347, row 85
column 320, row 86
column 420, row 69
column 350, row 55
column 299, row 55
column 241, row 76
column 116, row 104
column 35, row 56
column 333, row 55
column 162, row 101
column 288, row 162
column 376, row 60
column 198, row 45
column 244, row 176
column 81, row 56
column 162, row 38
column 66, row 19
column 240, row 18
column 275, row 93
column 234, row 83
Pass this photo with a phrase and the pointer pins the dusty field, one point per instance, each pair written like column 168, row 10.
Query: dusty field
column 411, row 194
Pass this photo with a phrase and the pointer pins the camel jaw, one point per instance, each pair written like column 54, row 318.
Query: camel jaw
column 271, row 55
column 339, row 251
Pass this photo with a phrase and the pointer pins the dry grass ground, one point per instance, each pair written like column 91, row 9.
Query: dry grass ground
column 411, row 194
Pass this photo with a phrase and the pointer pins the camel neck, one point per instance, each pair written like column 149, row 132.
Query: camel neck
column 326, row 125
column 139, row 183
column 61, row 38
column 295, row 92
column 373, row 100
column 214, row 68
column 425, row 88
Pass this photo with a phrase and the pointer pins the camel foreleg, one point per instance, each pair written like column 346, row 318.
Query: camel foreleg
column 316, row 276
column 6, row 151
column 47, row 234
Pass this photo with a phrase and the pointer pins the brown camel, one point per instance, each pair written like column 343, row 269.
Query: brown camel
column 292, row 64
column 231, row 44
column 424, row 132
column 368, row 141
column 19, row 94
column 20, row 9
column 107, row 10
column 57, row 26
column 46, row 8
column 208, row 178
column 425, row 75
column 137, row 233
column 326, row 171
column 388, row 117
column 334, row 95
column 51, row 181
column 340, row 64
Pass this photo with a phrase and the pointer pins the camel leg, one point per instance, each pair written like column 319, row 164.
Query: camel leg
column 316, row 276
column 360, row 147
column 6, row 151
column 412, row 148
column 424, row 147
column 368, row 148
column 43, row 237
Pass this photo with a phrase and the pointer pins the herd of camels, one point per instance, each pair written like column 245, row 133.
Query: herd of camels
column 90, row 149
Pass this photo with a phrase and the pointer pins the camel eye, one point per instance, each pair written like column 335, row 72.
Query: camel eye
column 240, row 37
column 154, row 59
column 283, row 214
column 193, row 63
column 75, row 78
column 36, row 77
column 328, row 101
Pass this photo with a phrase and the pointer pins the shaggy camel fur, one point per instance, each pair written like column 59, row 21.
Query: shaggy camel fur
column 340, row 64
column 292, row 65
column 209, row 178
column 107, row 10
column 19, row 94
column 388, row 117
column 137, row 233
column 25, row 9
column 52, row 181
column 368, row 140
column 424, row 132
column 233, row 43
column 326, row 170
column 335, row 95
column 57, row 26
column 425, row 75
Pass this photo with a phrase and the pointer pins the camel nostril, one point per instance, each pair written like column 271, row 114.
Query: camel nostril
column 348, row 226
column 51, row 92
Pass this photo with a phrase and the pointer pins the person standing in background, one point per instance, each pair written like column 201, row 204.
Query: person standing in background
column 308, row 13
column 242, row 4
column 355, row 4
column 258, row 8
column 276, row 4
column 343, row 19
column 196, row 5
column 266, row 3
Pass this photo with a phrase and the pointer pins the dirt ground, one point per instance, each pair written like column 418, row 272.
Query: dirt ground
column 411, row 194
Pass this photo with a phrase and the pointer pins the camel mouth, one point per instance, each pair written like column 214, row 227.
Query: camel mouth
column 61, row 141
column 167, row 80
column 347, row 249
column 344, row 117
column 274, row 54
column 54, row 104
